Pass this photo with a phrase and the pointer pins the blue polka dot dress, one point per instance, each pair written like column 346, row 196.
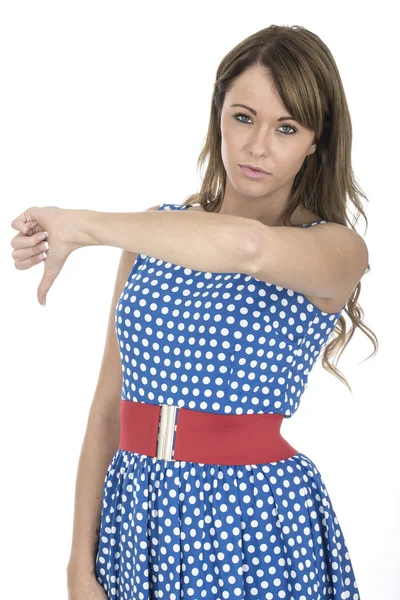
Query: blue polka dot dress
column 232, row 344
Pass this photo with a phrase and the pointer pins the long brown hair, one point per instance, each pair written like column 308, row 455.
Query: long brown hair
column 297, row 59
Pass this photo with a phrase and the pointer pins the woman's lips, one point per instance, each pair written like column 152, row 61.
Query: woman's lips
column 253, row 174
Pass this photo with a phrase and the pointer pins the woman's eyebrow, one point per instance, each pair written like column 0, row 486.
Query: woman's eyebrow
column 284, row 118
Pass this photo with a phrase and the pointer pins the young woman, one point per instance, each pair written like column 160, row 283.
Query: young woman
column 221, row 308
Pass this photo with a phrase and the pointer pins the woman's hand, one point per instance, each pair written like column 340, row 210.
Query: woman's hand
column 63, row 238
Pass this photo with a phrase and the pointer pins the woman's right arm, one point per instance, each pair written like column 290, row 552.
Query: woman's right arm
column 100, row 443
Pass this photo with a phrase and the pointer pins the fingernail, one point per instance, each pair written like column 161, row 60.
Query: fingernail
column 43, row 235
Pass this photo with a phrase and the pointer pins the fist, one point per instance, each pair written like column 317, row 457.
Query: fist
column 61, row 240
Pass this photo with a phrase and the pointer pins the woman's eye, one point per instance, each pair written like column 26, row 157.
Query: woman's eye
column 291, row 127
column 241, row 115
column 294, row 129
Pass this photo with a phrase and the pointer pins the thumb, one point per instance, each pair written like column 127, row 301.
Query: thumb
column 52, row 267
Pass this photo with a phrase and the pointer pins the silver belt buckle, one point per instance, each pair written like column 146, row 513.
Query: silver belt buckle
column 166, row 431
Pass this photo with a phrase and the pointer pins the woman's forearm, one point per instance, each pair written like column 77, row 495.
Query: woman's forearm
column 203, row 242
column 99, row 445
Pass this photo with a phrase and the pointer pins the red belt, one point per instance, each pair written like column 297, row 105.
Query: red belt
column 175, row 433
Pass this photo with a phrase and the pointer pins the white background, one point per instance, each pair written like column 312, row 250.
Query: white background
column 96, row 97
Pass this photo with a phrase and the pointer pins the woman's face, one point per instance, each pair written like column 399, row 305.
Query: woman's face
column 262, row 139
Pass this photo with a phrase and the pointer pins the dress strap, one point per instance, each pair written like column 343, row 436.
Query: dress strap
column 172, row 206
column 310, row 224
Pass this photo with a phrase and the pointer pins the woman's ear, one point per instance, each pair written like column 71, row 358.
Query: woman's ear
column 313, row 148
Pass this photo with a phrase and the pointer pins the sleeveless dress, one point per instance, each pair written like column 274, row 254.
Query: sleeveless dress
column 232, row 344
